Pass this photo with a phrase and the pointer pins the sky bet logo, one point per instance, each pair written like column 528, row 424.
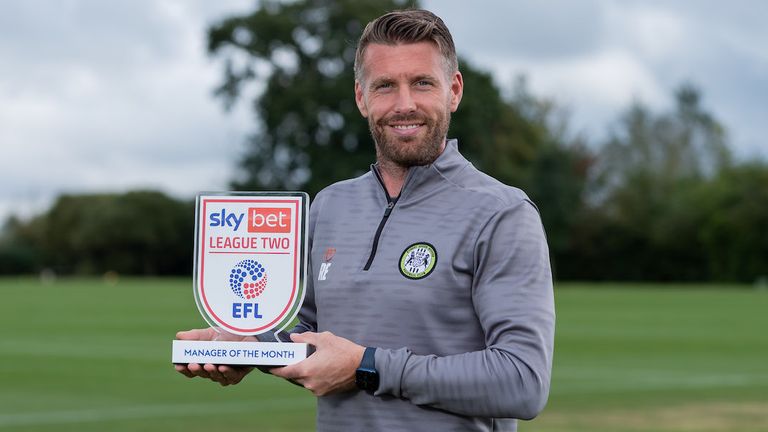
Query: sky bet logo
column 260, row 220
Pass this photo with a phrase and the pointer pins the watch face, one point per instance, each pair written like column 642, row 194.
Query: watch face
column 366, row 379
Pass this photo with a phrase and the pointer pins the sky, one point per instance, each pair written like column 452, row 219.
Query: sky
column 108, row 96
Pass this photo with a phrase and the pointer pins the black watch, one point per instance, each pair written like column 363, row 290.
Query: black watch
column 366, row 376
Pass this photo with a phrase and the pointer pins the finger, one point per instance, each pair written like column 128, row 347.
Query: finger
column 214, row 374
column 196, row 334
column 182, row 369
column 306, row 337
column 230, row 375
column 288, row 372
column 222, row 335
column 234, row 375
column 198, row 370
column 278, row 371
column 186, row 335
column 299, row 381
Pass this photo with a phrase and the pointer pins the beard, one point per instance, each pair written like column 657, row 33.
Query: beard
column 410, row 151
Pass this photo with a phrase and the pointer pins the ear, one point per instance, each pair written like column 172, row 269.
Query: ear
column 457, row 90
column 360, row 99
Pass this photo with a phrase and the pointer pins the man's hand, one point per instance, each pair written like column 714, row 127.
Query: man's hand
column 330, row 369
column 222, row 374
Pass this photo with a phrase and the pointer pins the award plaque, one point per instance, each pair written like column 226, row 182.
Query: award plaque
column 249, row 277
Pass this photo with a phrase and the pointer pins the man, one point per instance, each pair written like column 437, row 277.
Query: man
column 439, row 290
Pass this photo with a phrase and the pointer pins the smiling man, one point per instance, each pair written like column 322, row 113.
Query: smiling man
column 407, row 92
column 430, row 299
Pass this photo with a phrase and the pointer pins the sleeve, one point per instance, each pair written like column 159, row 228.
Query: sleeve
column 513, row 298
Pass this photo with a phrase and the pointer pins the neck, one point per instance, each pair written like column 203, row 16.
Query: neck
column 393, row 176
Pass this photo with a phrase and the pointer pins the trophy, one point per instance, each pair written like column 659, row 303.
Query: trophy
column 249, row 276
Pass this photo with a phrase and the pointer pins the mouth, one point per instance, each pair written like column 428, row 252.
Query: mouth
column 406, row 128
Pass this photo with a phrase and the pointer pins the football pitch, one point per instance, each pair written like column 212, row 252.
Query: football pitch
column 86, row 355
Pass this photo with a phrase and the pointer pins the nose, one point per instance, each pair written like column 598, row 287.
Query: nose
column 405, row 102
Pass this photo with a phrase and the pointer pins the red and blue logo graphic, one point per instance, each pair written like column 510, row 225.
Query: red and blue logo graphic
column 248, row 279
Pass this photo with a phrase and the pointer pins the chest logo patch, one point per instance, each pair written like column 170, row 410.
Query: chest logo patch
column 418, row 260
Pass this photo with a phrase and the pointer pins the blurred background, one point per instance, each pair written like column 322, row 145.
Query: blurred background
column 637, row 127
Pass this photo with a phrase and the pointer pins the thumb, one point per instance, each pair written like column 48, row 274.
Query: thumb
column 196, row 334
column 306, row 337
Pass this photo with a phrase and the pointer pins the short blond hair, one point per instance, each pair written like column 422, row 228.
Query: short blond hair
column 404, row 27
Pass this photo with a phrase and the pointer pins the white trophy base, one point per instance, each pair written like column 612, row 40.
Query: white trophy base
column 238, row 353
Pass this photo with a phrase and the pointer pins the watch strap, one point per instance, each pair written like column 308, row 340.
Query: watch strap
column 366, row 376
column 369, row 359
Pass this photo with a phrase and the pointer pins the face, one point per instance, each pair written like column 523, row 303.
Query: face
column 408, row 99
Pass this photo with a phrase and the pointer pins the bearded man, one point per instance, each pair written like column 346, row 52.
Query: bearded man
column 436, row 310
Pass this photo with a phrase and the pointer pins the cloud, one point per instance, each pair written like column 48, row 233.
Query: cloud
column 110, row 97
column 652, row 33
column 594, row 88
column 529, row 28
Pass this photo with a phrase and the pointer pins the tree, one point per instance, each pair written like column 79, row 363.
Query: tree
column 140, row 232
column 18, row 253
column 687, row 143
column 734, row 229
column 648, row 195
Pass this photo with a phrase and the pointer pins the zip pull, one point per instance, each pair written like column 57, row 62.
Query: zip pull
column 389, row 208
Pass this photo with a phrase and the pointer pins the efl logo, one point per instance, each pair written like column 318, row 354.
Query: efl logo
column 269, row 220
column 247, row 280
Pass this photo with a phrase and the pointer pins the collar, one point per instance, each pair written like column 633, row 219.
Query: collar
column 424, row 180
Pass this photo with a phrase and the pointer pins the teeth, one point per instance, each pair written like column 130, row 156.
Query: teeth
column 405, row 127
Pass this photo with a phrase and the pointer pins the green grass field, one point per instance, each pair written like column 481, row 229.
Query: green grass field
column 83, row 355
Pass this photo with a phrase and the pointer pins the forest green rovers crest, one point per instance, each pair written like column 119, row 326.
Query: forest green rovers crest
column 418, row 260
